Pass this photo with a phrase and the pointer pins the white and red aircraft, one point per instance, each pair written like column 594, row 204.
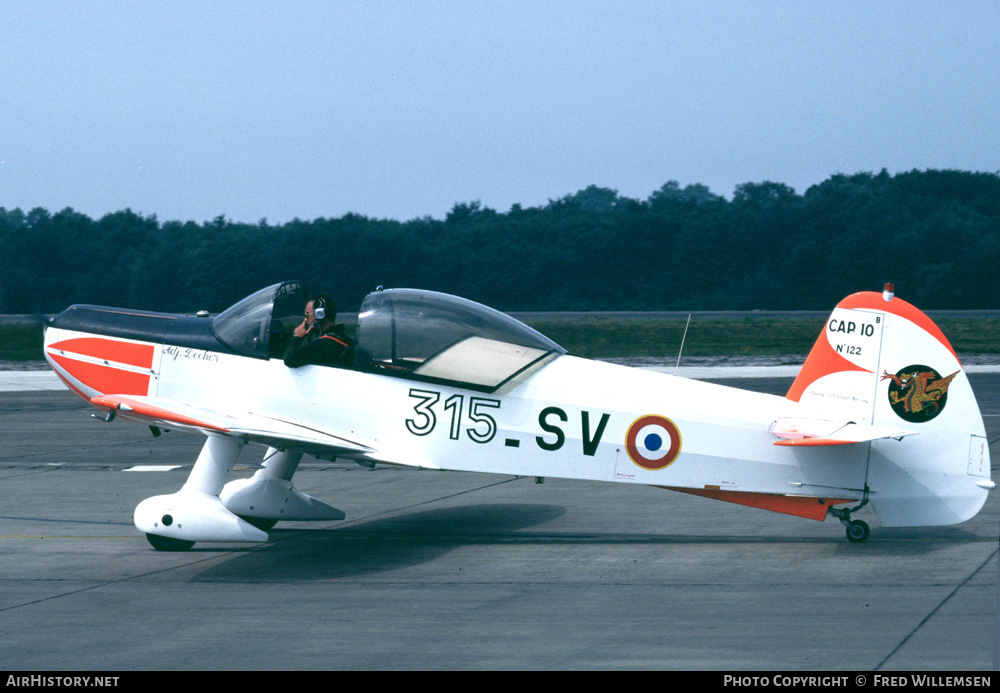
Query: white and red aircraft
column 880, row 413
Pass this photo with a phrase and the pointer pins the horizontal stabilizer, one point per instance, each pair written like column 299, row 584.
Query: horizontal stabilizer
column 801, row 431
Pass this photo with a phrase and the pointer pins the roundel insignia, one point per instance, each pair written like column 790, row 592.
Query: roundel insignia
column 918, row 393
column 653, row 442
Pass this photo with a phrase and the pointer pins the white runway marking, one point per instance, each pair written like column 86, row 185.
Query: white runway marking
column 153, row 468
column 29, row 381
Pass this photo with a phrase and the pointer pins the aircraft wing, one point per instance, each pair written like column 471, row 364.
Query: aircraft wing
column 801, row 431
column 249, row 426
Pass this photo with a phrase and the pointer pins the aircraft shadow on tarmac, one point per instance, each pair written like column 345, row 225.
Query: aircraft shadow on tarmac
column 380, row 545
column 412, row 539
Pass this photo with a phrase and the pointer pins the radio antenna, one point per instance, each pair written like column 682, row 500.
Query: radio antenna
column 682, row 344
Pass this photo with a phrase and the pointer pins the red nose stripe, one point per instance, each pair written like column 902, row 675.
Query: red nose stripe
column 140, row 355
column 104, row 379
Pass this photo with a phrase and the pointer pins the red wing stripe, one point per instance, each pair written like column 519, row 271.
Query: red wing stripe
column 814, row 442
column 153, row 412
column 140, row 355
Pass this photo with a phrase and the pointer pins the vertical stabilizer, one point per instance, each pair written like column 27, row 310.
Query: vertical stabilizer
column 883, row 362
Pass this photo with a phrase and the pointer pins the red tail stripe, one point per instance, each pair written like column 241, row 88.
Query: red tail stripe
column 822, row 360
column 897, row 306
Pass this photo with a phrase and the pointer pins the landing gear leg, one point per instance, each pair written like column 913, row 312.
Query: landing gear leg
column 270, row 496
column 176, row 521
column 857, row 530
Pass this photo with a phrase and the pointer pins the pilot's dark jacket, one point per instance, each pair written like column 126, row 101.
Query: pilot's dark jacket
column 331, row 348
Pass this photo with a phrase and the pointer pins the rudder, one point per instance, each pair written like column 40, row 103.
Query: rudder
column 883, row 362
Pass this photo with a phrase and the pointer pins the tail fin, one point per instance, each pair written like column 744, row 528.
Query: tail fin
column 881, row 361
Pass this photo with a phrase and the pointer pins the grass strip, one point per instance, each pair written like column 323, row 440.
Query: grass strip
column 629, row 337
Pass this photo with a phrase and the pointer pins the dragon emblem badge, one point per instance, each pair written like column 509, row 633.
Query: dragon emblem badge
column 918, row 393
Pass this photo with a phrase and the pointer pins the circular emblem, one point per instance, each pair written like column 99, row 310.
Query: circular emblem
column 918, row 393
column 653, row 442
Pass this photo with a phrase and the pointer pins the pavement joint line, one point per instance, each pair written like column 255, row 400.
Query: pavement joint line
column 104, row 583
column 354, row 521
column 936, row 609
column 432, row 500
column 103, row 523
column 126, row 443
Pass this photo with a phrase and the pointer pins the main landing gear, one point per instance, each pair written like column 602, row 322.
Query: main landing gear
column 161, row 543
column 209, row 509
column 857, row 530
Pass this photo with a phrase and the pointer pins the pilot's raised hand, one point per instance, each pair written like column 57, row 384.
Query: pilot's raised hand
column 303, row 329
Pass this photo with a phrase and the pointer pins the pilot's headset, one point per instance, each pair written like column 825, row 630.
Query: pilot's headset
column 321, row 306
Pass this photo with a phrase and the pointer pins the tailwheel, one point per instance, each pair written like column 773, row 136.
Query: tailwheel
column 161, row 543
column 858, row 531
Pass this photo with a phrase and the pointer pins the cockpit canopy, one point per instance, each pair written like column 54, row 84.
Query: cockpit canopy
column 262, row 323
column 423, row 335
column 432, row 336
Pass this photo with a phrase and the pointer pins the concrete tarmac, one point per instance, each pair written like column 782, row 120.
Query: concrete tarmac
column 442, row 570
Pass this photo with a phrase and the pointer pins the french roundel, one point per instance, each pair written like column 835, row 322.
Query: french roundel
column 653, row 441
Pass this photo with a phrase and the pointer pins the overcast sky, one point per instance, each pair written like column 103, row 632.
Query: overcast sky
column 189, row 110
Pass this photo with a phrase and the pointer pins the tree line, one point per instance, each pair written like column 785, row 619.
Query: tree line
column 935, row 234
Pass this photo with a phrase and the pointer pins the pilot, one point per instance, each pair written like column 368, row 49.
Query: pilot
column 319, row 339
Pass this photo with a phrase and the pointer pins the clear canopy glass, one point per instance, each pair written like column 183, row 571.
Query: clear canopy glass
column 261, row 324
column 437, row 337
column 423, row 335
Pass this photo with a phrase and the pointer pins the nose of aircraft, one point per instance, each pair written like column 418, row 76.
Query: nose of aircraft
column 93, row 366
